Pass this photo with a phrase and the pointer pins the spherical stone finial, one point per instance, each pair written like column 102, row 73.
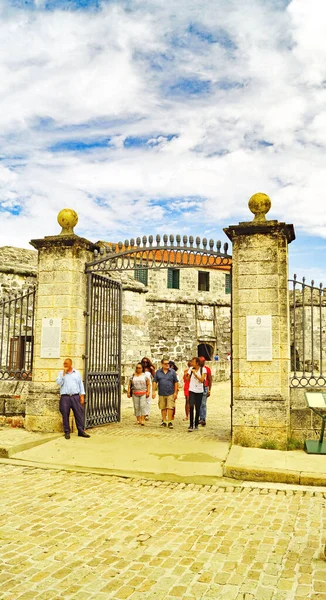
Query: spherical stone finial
column 259, row 204
column 68, row 219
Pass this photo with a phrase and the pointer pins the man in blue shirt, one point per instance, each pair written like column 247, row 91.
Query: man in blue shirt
column 72, row 396
column 167, row 382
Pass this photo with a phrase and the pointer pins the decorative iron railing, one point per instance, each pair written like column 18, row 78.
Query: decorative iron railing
column 142, row 254
column 307, row 334
column 16, row 335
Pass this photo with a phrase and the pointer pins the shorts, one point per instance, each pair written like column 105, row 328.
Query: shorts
column 165, row 402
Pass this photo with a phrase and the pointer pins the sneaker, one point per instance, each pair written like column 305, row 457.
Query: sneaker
column 163, row 424
column 170, row 425
column 196, row 427
column 146, row 418
column 203, row 423
column 190, row 429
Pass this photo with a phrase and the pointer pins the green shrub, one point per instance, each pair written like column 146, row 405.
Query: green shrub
column 294, row 444
column 269, row 445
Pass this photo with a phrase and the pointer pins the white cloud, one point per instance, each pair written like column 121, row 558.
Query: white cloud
column 259, row 123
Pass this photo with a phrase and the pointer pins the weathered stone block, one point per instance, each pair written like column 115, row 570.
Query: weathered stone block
column 14, row 406
column 300, row 418
column 259, row 436
column 48, row 424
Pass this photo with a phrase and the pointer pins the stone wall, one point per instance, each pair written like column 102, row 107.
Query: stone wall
column 304, row 423
column 157, row 284
column 158, row 321
column 18, row 269
column 13, row 395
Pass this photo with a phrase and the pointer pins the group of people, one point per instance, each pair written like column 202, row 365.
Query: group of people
column 145, row 382
column 143, row 386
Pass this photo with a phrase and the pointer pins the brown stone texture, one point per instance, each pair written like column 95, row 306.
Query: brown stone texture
column 18, row 269
column 61, row 293
column 260, row 287
column 77, row 535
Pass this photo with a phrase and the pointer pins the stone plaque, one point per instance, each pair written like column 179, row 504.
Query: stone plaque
column 51, row 338
column 205, row 329
column 259, row 338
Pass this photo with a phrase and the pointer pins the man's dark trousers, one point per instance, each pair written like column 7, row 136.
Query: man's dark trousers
column 194, row 402
column 72, row 402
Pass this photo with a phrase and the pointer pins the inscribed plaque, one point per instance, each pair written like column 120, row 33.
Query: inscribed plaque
column 259, row 338
column 51, row 338
column 315, row 399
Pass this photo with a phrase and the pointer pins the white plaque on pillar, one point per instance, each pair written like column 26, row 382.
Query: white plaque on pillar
column 51, row 338
column 259, row 338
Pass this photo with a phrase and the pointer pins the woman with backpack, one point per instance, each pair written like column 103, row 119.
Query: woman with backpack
column 196, row 377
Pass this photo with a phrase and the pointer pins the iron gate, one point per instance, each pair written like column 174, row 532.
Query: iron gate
column 104, row 303
column 103, row 351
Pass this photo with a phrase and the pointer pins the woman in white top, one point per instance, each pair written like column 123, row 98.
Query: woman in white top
column 149, row 370
column 139, row 388
column 197, row 376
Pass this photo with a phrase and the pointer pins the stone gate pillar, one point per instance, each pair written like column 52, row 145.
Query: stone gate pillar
column 61, row 293
column 260, row 346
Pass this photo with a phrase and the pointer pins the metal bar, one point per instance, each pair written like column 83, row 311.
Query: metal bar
column 8, row 336
column 320, row 333
column 322, row 431
column 96, row 315
column 109, row 330
column 119, row 355
column 26, row 352
column 294, row 326
column 312, row 327
column 20, row 349
column 87, row 345
column 231, row 342
column 32, row 329
column 106, row 328
column 12, row 365
column 303, row 328
column 2, row 331
column 101, row 323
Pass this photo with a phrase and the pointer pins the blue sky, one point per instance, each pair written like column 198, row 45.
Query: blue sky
column 161, row 117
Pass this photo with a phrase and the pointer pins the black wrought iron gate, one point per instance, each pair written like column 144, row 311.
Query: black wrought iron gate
column 104, row 304
column 103, row 351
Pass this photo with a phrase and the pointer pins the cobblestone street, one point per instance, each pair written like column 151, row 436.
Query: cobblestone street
column 73, row 535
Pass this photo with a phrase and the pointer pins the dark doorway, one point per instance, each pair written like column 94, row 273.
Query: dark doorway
column 206, row 350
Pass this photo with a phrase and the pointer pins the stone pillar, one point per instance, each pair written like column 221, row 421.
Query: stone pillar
column 61, row 293
column 260, row 411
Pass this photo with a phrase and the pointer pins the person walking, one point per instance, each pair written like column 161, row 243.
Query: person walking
column 196, row 375
column 148, row 368
column 72, row 397
column 173, row 366
column 166, row 381
column 138, row 388
column 186, row 383
column 206, row 393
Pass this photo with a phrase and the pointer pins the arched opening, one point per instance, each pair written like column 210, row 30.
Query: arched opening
column 206, row 350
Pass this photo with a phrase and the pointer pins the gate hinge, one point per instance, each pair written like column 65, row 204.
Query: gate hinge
column 85, row 313
column 84, row 356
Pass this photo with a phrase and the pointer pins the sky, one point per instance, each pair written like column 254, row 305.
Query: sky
column 152, row 116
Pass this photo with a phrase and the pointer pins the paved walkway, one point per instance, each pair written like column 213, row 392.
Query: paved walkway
column 149, row 451
column 201, row 457
column 84, row 536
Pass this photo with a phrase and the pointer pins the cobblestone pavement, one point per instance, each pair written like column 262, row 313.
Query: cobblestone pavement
column 72, row 535
column 218, row 418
